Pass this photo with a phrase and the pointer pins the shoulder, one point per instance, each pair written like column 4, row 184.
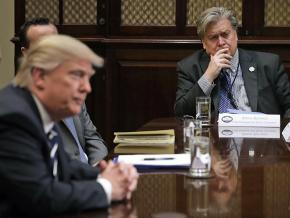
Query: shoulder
column 263, row 57
column 18, row 108
column 195, row 57
column 10, row 96
column 188, row 62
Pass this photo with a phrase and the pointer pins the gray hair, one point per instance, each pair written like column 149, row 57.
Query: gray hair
column 50, row 52
column 213, row 15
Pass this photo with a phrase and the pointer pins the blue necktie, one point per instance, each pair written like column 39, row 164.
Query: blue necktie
column 226, row 100
column 70, row 124
column 54, row 141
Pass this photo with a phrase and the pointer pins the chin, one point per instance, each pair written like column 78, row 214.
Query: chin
column 77, row 110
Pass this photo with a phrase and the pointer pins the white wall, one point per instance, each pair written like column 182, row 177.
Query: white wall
column 6, row 47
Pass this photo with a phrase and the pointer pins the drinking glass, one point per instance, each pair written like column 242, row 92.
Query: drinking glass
column 203, row 110
column 200, row 153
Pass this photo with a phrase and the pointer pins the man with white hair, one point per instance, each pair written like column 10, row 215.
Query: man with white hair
column 79, row 135
column 37, row 176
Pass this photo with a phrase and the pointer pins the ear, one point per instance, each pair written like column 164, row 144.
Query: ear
column 23, row 50
column 38, row 77
column 203, row 45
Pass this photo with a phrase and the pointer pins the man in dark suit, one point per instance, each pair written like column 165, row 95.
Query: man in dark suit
column 234, row 78
column 81, row 139
column 37, row 177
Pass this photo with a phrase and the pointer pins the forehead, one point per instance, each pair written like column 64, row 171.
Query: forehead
column 78, row 65
column 222, row 25
column 34, row 32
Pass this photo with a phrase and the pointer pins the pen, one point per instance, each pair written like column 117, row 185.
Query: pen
column 159, row 158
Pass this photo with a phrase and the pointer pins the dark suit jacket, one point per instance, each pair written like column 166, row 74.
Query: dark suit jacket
column 26, row 182
column 267, row 87
column 90, row 140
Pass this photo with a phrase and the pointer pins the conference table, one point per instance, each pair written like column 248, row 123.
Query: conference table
column 249, row 178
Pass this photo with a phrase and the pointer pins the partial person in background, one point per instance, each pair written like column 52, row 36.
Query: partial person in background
column 80, row 136
column 234, row 78
column 37, row 176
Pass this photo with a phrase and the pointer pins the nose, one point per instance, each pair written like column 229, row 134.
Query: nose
column 221, row 41
column 86, row 85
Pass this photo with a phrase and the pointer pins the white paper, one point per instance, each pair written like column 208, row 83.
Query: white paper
column 182, row 160
column 248, row 132
column 262, row 120
column 286, row 133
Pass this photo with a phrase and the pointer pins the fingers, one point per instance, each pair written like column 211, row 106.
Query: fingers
column 222, row 58
column 131, row 174
column 123, row 178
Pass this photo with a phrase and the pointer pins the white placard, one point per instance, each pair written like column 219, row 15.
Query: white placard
column 248, row 132
column 262, row 120
column 286, row 133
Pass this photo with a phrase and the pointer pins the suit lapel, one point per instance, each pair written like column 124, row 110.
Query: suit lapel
column 79, row 130
column 77, row 125
column 250, row 72
column 204, row 61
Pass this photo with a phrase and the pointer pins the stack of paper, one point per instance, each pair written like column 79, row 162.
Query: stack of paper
column 145, row 142
column 156, row 160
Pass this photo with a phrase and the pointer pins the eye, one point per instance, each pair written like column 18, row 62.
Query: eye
column 213, row 37
column 77, row 73
column 226, row 34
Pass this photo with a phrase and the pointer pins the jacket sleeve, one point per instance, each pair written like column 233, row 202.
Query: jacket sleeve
column 95, row 146
column 187, row 88
column 282, row 86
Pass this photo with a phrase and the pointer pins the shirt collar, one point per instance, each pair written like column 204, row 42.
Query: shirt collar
column 45, row 117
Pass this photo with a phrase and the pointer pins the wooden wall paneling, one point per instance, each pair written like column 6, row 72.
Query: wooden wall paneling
column 95, row 101
column 111, row 100
column 253, row 17
column 146, row 91
column 19, row 9
column 114, row 22
column 180, row 16
column 19, row 17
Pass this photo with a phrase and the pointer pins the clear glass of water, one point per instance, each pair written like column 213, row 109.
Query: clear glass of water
column 203, row 110
column 200, row 153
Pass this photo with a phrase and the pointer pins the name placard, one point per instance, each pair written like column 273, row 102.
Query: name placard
column 249, row 132
column 263, row 120
column 286, row 133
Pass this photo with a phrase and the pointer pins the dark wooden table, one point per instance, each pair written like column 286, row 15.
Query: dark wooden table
column 254, row 183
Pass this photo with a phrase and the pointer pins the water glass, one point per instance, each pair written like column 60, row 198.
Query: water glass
column 200, row 153
column 203, row 110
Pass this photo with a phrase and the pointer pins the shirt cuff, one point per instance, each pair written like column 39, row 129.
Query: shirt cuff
column 107, row 186
column 205, row 85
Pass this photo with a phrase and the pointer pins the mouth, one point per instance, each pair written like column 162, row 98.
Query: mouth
column 79, row 101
